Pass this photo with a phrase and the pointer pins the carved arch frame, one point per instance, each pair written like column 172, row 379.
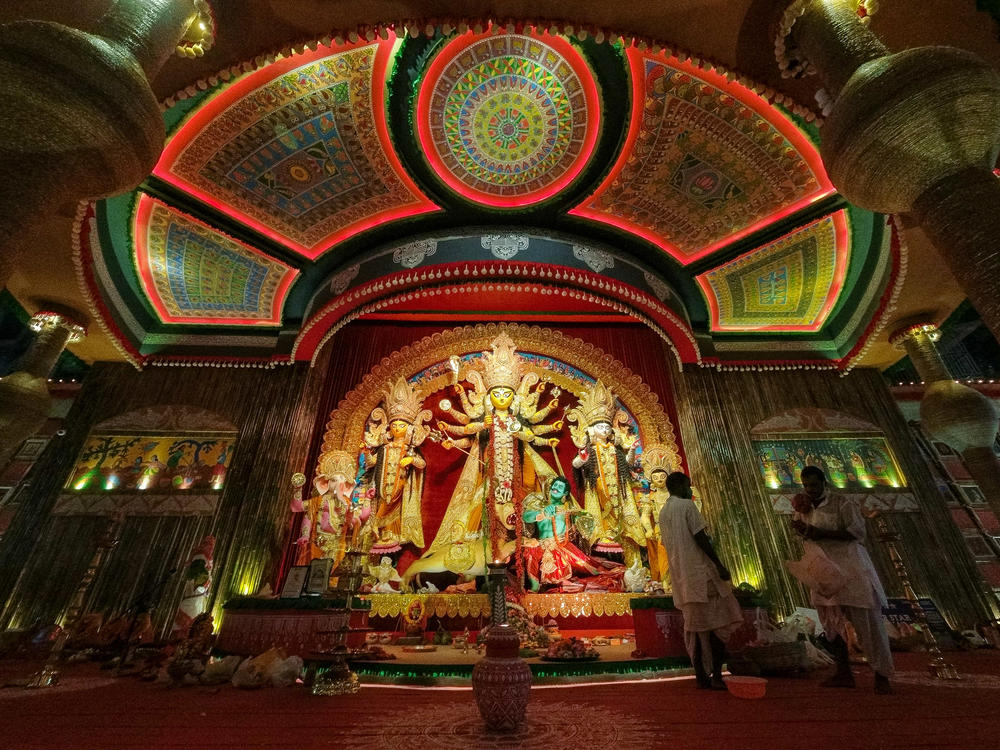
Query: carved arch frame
column 347, row 422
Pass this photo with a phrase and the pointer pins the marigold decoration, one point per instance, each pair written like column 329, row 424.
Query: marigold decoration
column 572, row 649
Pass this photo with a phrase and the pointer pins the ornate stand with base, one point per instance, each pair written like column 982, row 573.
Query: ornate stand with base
column 501, row 680
column 48, row 676
column 337, row 678
column 936, row 664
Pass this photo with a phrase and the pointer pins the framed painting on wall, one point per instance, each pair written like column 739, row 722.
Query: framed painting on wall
column 973, row 495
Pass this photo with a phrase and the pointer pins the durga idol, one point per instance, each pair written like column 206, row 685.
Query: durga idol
column 497, row 426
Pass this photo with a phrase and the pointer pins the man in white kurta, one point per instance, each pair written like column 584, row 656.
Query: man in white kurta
column 834, row 523
column 701, row 583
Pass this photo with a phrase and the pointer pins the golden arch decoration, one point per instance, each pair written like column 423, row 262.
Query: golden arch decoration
column 347, row 421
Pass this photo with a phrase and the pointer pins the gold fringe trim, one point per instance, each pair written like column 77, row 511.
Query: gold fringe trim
column 478, row 605
column 577, row 605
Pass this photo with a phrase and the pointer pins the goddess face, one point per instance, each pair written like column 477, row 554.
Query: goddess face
column 602, row 431
column 501, row 397
column 658, row 480
column 398, row 428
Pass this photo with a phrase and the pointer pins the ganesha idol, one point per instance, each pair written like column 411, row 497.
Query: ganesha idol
column 336, row 515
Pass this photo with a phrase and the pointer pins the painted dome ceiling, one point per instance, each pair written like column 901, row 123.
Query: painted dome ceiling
column 504, row 175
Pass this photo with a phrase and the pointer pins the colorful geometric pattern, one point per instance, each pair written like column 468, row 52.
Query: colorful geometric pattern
column 706, row 162
column 193, row 274
column 791, row 284
column 299, row 150
column 508, row 119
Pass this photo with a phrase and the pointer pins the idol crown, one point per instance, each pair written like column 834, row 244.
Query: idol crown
column 658, row 457
column 338, row 462
column 402, row 402
column 502, row 366
column 597, row 404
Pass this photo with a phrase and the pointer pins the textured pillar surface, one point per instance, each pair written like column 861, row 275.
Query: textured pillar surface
column 916, row 131
column 954, row 413
column 24, row 394
column 80, row 120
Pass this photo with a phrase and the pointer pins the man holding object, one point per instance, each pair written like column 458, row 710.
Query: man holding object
column 834, row 523
column 701, row 583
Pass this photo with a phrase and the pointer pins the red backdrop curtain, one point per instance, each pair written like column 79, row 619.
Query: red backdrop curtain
column 358, row 347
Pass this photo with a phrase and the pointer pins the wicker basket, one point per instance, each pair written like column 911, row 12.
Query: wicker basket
column 775, row 659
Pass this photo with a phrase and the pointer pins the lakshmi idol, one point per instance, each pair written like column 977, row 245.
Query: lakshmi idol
column 394, row 468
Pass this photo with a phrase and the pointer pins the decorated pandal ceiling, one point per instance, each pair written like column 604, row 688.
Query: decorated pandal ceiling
column 492, row 176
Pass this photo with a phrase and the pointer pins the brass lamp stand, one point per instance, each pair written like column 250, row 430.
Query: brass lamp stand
column 48, row 675
column 936, row 665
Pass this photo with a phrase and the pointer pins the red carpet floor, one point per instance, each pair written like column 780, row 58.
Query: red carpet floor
column 90, row 709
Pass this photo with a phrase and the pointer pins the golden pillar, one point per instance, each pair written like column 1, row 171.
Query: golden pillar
column 25, row 402
column 80, row 120
column 916, row 131
column 953, row 413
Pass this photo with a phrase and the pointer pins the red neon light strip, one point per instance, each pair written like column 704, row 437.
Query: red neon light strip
column 204, row 115
column 746, row 97
column 336, row 309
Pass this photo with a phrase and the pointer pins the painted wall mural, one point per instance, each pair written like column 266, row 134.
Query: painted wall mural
column 850, row 463
column 854, row 455
column 195, row 274
column 299, row 150
column 153, row 463
column 508, row 119
column 706, row 162
column 791, row 284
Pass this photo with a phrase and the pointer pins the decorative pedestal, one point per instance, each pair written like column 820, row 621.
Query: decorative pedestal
column 336, row 677
column 501, row 680
column 659, row 628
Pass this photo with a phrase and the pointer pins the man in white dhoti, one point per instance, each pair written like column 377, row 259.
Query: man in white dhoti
column 834, row 523
column 701, row 583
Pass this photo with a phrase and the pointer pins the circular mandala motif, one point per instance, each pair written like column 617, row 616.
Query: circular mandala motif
column 508, row 119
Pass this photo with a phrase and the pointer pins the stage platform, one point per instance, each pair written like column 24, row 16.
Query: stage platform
column 644, row 634
column 450, row 666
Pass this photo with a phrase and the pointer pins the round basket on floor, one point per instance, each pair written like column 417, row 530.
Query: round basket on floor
column 747, row 687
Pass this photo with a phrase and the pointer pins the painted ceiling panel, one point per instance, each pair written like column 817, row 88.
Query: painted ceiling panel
column 299, row 150
column 706, row 162
column 507, row 120
column 336, row 149
column 193, row 274
column 791, row 284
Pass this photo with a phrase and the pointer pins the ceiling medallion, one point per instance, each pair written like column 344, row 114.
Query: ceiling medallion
column 508, row 120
